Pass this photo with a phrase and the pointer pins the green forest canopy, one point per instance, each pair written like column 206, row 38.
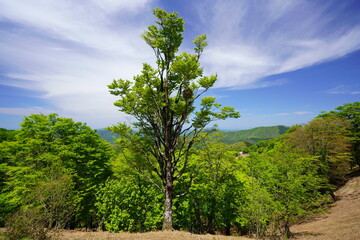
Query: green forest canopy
column 282, row 180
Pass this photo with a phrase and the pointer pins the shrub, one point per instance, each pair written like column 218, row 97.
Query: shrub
column 129, row 206
column 27, row 223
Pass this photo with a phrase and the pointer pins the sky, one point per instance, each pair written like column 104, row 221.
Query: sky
column 279, row 62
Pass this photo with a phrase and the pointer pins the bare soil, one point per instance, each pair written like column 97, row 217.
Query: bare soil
column 341, row 223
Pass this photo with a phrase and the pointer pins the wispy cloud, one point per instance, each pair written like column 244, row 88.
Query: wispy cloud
column 281, row 114
column 341, row 89
column 24, row 111
column 292, row 113
column 301, row 112
column 251, row 40
column 70, row 51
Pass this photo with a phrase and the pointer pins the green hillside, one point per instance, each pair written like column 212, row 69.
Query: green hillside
column 252, row 135
column 107, row 135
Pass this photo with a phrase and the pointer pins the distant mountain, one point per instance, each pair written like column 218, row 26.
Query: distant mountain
column 251, row 136
column 107, row 135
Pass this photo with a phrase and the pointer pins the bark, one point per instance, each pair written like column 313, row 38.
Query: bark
column 167, row 224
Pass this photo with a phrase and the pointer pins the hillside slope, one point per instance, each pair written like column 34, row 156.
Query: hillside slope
column 343, row 220
column 107, row 135
column 252, row 135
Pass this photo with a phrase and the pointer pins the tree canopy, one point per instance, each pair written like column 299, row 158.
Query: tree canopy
column 46, row 150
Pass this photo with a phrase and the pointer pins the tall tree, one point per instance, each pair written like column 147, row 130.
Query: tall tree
column 162, row 101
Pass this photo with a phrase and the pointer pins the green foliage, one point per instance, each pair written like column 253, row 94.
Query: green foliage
column 263, row 146
column 238, row 147
column 216, row 192
column 350, row 112
column 128, row 202
column 255, row 214
column 129, row 205
column 284, row 183
column 50, row 149
column 6, row 135
column 328, row 140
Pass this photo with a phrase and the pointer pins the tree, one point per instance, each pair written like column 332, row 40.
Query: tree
column 6, row 135
column 217, row 190
column 328, row 140
column 49, row 149
column 350, row 112
column 162, row 101
column 284, row 184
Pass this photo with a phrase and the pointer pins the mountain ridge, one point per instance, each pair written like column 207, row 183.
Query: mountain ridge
column 250, row 136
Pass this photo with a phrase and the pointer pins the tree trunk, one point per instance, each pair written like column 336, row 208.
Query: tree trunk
column 287, row 233
column 167, row 224
column 198, row 216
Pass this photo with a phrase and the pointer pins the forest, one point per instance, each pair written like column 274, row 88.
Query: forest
column 56, row 173
column 168, row 170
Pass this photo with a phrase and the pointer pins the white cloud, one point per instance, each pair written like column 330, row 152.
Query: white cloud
column 281, row 114
column 117, row 5
column 251, row 40
column 24, row 111
column 341, row 89
column 70, row 50
column 293, row 113
column 302, row 113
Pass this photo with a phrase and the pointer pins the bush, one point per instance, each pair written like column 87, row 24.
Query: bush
column 27, row 223
column 129, row 206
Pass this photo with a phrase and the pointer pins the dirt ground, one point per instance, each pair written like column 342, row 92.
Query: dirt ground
column 341, row 223
column 175, row 235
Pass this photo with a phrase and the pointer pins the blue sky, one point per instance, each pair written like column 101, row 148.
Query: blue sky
column 278, row 61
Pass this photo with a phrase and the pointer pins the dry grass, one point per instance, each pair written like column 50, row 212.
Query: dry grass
column 159, row 235
column 343, row 221
column 169, row 235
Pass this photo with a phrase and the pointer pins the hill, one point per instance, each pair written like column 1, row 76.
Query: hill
column 253, row 135
column 250, row 135
column 107, row 135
